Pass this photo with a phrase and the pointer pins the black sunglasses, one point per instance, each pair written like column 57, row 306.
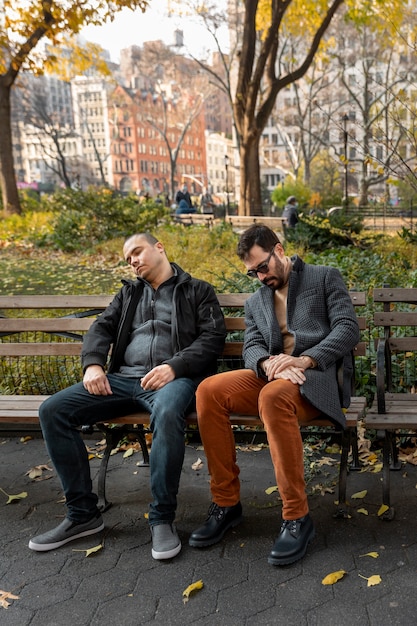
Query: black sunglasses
column 262, row 268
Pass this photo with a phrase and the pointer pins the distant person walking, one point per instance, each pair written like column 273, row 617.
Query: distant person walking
column 290, row 213
column 206, row 202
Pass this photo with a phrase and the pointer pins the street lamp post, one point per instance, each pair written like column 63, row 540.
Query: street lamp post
column 226, row 167
column 345, row 120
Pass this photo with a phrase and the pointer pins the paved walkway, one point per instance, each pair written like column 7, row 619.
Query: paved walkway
column 122, row 585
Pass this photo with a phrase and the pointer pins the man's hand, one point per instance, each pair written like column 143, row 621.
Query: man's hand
column 286, row 367
column 96, row 381
column 158, row 377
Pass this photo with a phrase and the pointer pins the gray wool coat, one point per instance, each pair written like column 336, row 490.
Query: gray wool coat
column 322, row 319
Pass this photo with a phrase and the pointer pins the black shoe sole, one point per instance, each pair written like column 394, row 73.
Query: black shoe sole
column 196, row 543
column 294, row 557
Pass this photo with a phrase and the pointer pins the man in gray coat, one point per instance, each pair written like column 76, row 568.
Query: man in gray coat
column 299, row 325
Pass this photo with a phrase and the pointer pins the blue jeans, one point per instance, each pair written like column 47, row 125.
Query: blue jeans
column 62, row 414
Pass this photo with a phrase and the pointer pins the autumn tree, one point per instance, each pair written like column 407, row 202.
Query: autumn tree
column 23, row 25
column 264, row 39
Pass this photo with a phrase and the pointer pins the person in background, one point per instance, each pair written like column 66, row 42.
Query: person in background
column 165, row 331
column 184, row 208
column 290, row 212
column 299, row 325
column 184, row 194
column 206, row 202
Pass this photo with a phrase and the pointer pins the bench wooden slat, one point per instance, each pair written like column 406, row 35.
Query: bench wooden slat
column 403, row 344
column 51, row 325
column 41, row 349
column 235, row 323
column 398, row 294
column 395, row 318
column 55, row 302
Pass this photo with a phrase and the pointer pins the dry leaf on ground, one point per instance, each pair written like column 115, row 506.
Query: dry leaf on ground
column 191, row 589
column 372, row 580
column 35, row 473
column 197, row 465
column 382, row 509
column 271, row 490
column 6, row 595
column 332, row 578
column 359, row 494
column 90, row 551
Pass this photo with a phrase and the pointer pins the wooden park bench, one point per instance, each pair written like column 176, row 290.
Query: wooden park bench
column 39, row 355
column 395, row 405
column 189, row 219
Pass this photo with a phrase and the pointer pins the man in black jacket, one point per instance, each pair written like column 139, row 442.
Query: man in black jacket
column 166, row 330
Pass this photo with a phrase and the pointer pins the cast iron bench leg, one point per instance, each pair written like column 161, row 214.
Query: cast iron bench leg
column 346, row 438
column 113, row 436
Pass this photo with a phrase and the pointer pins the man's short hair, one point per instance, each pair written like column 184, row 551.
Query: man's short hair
column 149, row 238
column 258, row 234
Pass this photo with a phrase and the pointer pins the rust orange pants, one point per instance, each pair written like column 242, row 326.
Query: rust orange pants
column 282, row 409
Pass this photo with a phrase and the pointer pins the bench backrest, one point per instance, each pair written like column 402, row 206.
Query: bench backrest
column 397, row 325
column 398, row 319
column 61, row 321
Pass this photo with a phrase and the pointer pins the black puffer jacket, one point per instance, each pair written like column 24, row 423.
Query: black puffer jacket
column 198, row 329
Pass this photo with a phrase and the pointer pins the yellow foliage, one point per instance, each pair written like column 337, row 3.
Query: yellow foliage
column 24, row 24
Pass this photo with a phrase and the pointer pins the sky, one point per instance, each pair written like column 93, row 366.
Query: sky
column 134, row 28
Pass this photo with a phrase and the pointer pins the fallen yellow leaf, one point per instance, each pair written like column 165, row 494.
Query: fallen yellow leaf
column 372, row 580
column 359, row 494
column 12, row 498
column 382, row 509
column 25, row 439
column 191, row 588
column 128, row 452
column 6, row 595
column 363, row 511
column 374, row 555
column 17, row 496
column 332, row 578
column 91, row 550
column 377, row 468
column 271, row 490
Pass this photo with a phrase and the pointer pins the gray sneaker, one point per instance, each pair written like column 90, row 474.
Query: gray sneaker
column 165, row 541
column 65, row 532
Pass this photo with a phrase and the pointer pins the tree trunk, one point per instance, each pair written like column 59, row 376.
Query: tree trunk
column 250, row 202
column 10, row 196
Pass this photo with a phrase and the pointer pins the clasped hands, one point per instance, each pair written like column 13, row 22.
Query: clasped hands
column 287, row 367
column 95, row 380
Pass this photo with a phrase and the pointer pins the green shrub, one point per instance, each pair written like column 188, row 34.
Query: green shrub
column 83, row 219
column 313, row 232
